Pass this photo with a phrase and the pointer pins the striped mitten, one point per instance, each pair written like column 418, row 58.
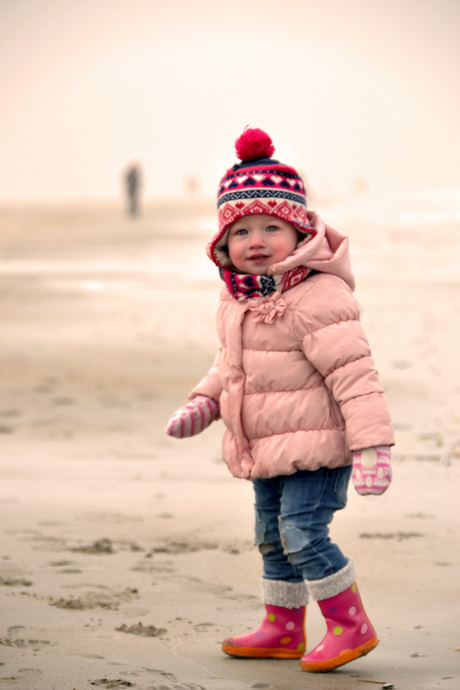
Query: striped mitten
column 372, row 470
column 193, row 418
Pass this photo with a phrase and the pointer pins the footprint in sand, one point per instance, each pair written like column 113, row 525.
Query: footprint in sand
column 66, row 570
column 15, row 582
column 143, row 631
column 23, row 678
column 110, row 683
column 91, row 600
column 22, row 643
column 162, row 680
column 399, row 536
column 97, row 547
column 168, row 681
column 107, row 546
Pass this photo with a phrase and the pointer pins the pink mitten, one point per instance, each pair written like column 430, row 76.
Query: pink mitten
column 372, row 470
column 194, row 417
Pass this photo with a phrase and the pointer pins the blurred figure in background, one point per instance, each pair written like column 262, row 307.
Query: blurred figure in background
column 133, row 183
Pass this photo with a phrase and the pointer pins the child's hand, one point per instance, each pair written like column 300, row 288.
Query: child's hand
column 372, row 470
column 194, row 417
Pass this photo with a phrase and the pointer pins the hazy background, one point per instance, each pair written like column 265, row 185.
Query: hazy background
column 107, row 322
column 346, row 88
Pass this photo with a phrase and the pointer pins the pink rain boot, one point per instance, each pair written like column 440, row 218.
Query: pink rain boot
column 282, row 634
column 349, row 633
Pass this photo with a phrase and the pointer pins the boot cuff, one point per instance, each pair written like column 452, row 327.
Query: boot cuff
column 334, row 584
column 289, row 595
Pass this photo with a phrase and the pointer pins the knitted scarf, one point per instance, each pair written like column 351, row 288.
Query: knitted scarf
column 245, row 286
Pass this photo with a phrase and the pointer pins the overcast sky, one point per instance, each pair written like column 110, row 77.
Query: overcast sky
column 345, row 88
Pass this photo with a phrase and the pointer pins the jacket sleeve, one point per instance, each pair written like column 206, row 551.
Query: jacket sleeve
column 334, row 341
column 211, row 384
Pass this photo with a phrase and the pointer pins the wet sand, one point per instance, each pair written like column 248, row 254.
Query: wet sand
column 126, row 556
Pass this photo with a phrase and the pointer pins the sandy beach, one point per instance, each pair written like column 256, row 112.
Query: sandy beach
column 126, row 556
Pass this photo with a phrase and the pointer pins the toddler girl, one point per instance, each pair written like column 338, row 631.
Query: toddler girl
column 297, row 389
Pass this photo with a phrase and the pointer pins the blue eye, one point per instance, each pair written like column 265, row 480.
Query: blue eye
column 241, row 231
column 271, row 228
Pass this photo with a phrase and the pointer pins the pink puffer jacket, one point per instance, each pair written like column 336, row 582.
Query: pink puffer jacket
column 301, row 392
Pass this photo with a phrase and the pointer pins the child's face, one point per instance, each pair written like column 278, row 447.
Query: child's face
column 256, row 242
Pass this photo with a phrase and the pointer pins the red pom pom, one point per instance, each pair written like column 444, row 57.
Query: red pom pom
column 254, row 144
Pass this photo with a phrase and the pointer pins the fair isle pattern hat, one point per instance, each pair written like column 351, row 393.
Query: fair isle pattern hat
column 259, row 184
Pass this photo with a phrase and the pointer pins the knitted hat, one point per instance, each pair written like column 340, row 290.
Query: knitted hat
column 259, row 184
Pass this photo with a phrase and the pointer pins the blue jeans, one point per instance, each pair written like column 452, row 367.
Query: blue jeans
column 293, row 514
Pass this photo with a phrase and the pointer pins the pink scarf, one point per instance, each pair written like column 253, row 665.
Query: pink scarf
column 263, row 293
column 245, row 286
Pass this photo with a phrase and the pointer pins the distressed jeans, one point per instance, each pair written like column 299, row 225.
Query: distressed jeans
column 293, row 514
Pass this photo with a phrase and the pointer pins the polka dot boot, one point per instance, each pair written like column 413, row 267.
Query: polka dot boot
column 349, row 633
column 281, row 636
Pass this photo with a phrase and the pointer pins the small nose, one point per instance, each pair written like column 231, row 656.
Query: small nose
column 256, row 239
